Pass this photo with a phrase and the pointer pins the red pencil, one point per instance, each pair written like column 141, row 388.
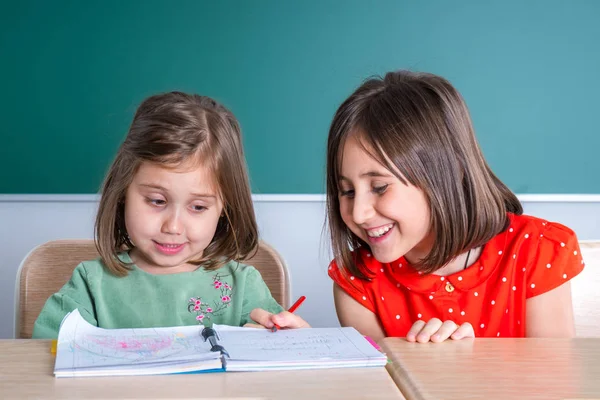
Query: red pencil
column 293, row 308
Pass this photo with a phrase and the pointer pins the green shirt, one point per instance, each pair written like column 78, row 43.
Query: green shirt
column 142, row 300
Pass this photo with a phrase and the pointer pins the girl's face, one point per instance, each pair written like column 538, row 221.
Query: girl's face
column 171, row 215
column 393, row 218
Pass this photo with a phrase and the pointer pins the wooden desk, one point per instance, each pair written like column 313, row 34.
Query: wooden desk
column 26, row 368
column 496, row 368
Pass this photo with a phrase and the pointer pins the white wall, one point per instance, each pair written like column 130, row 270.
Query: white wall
column 293, row 224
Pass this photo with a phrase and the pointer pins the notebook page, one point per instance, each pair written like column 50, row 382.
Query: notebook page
column 297, row 345
column 83, row 346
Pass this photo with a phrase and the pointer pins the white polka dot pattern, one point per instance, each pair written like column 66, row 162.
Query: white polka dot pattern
column 547, row 257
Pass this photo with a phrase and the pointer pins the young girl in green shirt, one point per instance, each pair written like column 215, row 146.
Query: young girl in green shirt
column 174, row 216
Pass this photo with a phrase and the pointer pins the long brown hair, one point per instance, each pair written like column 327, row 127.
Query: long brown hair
column 170, row 129
column 418, row 124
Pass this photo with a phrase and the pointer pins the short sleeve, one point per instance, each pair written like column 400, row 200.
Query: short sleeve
column 556, row 261
column 257, row 295
column 355, row 287
column 75, row 294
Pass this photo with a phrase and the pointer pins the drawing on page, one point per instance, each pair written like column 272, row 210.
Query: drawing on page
column 109, row 349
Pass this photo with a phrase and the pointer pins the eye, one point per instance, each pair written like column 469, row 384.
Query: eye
column 198, row 208
column 156, row 202
column 347, row 193
column 380, row 189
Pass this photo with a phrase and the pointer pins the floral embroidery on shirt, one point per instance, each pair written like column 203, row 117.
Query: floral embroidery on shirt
column 204, row 310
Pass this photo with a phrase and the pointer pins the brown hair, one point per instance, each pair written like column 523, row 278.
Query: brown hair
column 418, row 124
column 170, row 129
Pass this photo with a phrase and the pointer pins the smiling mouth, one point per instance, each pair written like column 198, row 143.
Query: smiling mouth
column 379, row 232
column 170, row 245
column 169, row 248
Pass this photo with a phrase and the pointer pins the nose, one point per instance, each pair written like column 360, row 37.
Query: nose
column 362, row 209
column 172, row 223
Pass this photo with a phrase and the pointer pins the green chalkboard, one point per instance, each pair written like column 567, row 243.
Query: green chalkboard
column 73, row 72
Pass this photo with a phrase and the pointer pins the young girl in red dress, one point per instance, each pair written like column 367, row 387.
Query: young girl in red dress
column 428, row 242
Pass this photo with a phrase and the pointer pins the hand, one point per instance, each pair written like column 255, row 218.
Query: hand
column 284, row 319
column 437, row 332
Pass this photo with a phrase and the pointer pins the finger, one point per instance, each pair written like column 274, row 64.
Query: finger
column 464, row 331
column 262, row 317
column 411, row 336
column 447, row 329
column 288, row 320
column 431, row 327
column 257, row 326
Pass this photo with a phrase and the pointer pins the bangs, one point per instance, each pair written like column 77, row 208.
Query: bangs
column 375, row 150
column 395, row 132
column 397, row 163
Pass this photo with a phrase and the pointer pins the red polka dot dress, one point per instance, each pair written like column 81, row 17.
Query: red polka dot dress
column 532, row 256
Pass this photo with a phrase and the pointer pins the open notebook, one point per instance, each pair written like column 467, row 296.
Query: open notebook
column 86, row 350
